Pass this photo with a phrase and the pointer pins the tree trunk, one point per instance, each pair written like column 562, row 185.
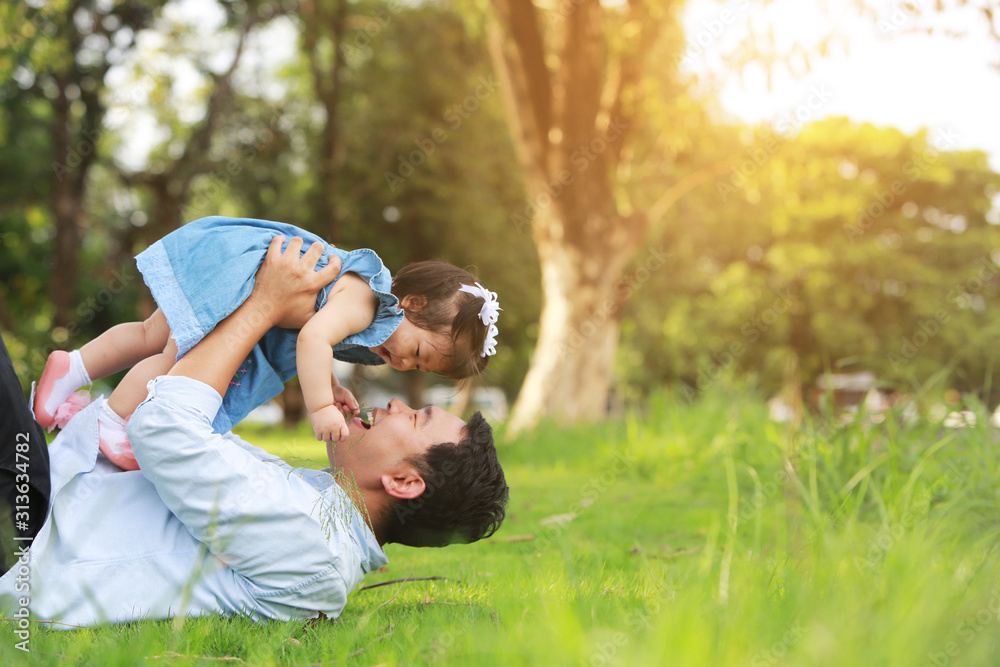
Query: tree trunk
column 324, row 24
column 293, row 406
column 570, row 104
column 461, row 405
column 414, row 384
column 572, row 368
column 67, row 207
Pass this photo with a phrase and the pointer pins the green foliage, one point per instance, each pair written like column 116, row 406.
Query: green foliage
column 47, row 49
column 851, row 246
column 788, row 251
column 435, row 138
column 427, row 172
column 695, row 533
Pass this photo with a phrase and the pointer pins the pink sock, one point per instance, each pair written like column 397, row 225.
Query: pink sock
column 114, row 441
column 64, row 373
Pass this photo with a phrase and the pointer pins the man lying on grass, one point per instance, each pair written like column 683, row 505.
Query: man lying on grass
column 212, row 524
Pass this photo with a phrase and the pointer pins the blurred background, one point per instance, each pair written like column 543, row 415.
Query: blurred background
column 798, row 197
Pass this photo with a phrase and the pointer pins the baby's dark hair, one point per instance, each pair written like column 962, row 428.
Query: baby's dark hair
column 447, row 311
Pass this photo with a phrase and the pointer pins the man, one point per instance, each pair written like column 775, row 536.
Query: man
column 212, row 524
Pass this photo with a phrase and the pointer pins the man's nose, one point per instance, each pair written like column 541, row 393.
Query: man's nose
column 396, row 405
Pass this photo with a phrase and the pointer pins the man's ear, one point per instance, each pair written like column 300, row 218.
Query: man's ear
column 404, row 482
column 413, row 302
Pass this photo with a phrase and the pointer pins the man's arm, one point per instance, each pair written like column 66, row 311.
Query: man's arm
column 286, row 285
column 260, row 521
column 255, row 516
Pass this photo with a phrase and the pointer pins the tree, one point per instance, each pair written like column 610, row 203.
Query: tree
column 65, row 48
column 323, row 27
column 186, row 154
column 426, row 169
column 574, row 88
column 844, row 247
column 429, row 172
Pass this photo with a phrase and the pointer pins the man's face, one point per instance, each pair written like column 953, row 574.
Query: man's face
column 396, row 433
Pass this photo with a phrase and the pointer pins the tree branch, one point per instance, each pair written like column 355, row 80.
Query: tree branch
column 581, row 74
column 200, row 141
column 528, row 70
column 633, row 65
column 530, row 146
column 402, row 581
column 310, row 39
column 656, row 212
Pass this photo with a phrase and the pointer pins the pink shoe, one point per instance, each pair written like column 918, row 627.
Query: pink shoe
column 77, row 401
column 56, row 367
column 120, row 452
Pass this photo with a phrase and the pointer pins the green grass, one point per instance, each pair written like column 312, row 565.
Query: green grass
column 700, row 535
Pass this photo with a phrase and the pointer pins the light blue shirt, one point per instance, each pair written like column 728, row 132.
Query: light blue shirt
column 209, row 525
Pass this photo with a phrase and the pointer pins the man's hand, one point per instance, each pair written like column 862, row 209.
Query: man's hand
column 285, row 288
column 329, row 424
column 286, row 284
column 344, row 400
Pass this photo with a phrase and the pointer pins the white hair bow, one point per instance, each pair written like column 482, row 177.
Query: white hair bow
column 489, row 314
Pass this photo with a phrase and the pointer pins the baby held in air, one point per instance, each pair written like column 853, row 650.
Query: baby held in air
column 431, row 317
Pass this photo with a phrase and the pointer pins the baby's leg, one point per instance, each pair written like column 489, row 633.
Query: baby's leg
column 125, row 345
column 117, row 348
column 126, row 397
column 131, row 391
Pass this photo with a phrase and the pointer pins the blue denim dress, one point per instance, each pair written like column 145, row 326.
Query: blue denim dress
column 200, row 273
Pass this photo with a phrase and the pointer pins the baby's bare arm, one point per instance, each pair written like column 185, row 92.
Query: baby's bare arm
column 349, row 309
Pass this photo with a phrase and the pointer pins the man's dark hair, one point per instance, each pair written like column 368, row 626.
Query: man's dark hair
column 465, row 497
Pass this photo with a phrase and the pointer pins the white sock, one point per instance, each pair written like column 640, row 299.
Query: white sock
column 74, row 378
column 111, row 428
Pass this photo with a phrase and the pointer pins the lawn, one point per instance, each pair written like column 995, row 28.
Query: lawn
column 691, row 534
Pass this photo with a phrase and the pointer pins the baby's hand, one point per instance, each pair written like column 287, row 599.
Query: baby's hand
column 345, row 401
column 328, row 424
